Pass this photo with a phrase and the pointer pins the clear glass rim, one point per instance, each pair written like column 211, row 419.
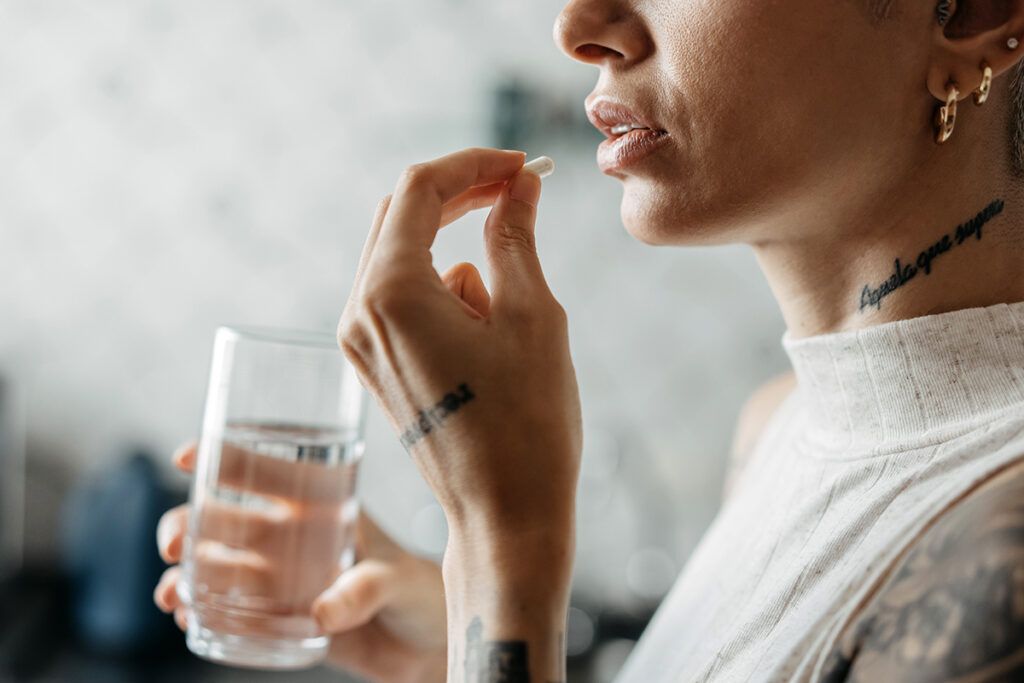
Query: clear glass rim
column 320, row 339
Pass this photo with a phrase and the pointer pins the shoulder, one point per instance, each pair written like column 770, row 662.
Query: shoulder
column 953, row 608
column 753, row 417
column 758, row 407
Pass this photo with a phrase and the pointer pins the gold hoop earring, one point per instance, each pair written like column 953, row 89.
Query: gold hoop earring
column 981, row 93
column 945, row 115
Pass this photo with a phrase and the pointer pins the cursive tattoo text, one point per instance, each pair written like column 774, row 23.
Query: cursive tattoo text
column 904, row 272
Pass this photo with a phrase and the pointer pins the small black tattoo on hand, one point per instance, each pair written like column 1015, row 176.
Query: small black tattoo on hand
column 903, row 272
column 429, row 419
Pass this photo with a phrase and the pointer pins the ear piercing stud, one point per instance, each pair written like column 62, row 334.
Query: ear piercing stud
column 1012, row 43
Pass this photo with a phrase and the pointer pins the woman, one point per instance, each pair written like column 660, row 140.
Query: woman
column 873, row 527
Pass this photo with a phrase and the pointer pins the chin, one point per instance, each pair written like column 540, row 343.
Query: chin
column 649, row 216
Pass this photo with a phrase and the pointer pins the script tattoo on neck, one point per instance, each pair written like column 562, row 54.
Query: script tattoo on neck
column 494, row 661
column 904, row 272
column 429, row 419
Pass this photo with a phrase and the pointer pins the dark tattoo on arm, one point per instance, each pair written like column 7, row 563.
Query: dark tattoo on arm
column 903, row 273
column 494, row 661
column 953, row 609
column 429, row 419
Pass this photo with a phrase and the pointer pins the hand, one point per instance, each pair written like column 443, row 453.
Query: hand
column 386, row 614
column 479, row 386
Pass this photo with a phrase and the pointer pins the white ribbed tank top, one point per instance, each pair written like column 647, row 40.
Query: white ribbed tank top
column 888, row 425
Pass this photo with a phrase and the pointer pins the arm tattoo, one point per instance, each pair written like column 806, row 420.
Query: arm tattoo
column 953, row 610
column 903, row 273
column 494, row 661
column 431, row 418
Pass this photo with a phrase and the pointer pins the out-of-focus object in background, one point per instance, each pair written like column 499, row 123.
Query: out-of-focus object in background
column 111, row 560
column 12, row 478
column 523, row 112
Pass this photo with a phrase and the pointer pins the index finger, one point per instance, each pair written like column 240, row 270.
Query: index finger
column 414, row 216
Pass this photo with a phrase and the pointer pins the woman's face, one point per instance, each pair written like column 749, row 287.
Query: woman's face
column 776, row 113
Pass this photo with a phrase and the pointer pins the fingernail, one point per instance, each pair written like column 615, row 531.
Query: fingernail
column 183, row 456
column 323, row 615
column 525, row 187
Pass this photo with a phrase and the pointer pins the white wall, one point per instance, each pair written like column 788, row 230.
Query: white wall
column 169, row 166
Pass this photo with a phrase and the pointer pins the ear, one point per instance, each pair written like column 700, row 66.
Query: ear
column 976, row 32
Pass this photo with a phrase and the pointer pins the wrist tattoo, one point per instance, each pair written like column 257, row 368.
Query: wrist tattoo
column 904, row 272
column 429, row 419
column 494, row 661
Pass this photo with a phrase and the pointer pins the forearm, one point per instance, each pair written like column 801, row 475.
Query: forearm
column 507, row 597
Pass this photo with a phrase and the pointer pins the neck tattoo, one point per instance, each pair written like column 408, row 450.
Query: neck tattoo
column 904, row 272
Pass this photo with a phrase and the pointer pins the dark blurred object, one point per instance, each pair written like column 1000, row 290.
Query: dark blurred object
column 32, row 624
column 109, row 552
column 12, row 479
column 525, row 115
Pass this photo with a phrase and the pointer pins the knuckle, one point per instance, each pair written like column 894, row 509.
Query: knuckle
column 559, row 314
column 353, row 338
column 365, row 593
column 511, row 236
column 415, row 175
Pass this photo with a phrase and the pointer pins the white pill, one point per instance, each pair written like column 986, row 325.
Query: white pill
column 542, row 166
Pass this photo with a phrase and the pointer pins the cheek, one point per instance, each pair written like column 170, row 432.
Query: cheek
column 759, row 112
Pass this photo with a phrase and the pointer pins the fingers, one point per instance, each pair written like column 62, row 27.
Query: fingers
column 371, row 241
column 472, row 199
column 464, row 281
column 165, row 595
column 185, row 457
column 223, row 570
column 510, row 241
column 170, row 533
column 240, row 468
column 181, row 618
column 417, row 206
column 305, row 481
column 356, row 596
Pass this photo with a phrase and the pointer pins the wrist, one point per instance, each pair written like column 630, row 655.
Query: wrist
column 533, row 561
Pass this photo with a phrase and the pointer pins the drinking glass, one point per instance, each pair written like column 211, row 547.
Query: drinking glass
column 272, row 502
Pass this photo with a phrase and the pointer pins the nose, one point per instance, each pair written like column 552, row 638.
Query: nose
column 601, row 32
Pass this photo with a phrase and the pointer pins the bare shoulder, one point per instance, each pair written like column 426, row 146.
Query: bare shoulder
column 753, row 417
column 755, row 412
column 953, row 608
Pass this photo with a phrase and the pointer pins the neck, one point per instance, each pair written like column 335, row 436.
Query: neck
column 956, row 231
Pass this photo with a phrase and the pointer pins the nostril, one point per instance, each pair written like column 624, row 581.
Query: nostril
column 594, row 52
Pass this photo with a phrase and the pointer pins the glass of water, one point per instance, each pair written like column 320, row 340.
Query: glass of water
column 273, row 509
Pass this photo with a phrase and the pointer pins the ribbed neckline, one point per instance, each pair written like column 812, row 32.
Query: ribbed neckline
column 904, row 382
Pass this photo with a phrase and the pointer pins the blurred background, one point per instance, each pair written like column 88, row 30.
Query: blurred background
column 171, row 166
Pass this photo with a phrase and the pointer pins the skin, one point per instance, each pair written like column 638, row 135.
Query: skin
column 801, row 128
column 828, row 178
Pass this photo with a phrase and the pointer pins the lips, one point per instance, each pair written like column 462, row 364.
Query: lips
column 630, row 135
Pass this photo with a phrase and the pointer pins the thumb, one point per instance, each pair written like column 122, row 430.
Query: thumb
column 510, row 240
column 355, row 597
